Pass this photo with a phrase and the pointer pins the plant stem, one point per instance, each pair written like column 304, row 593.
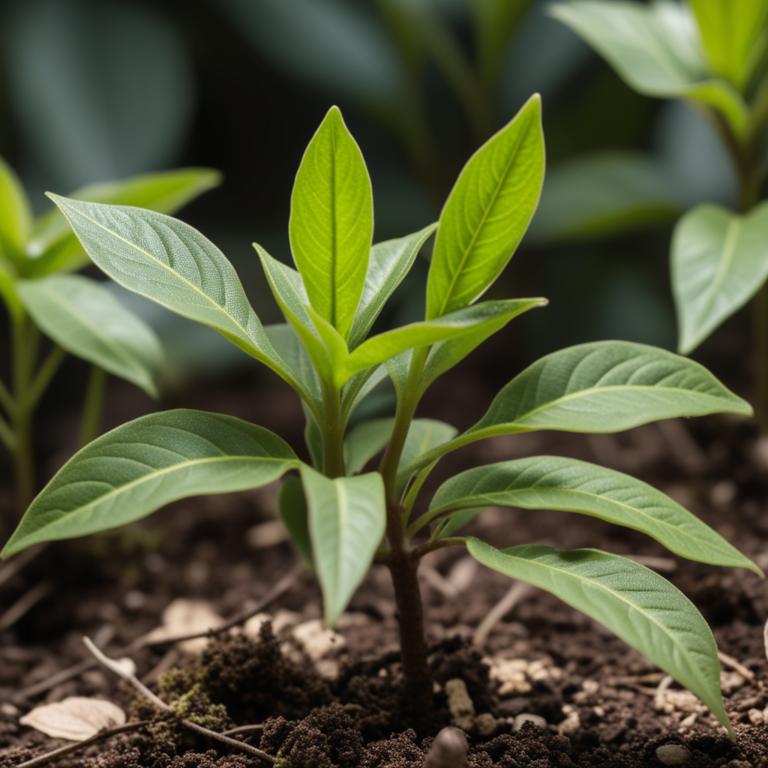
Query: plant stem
column 333, row 435
column 94, row 405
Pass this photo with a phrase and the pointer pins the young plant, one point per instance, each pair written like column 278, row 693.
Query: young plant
column 714, row 54
column 77, row 314
column 342, row 518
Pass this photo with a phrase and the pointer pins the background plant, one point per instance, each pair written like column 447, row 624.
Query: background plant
column 78, row 315
column 713, row 54
column 343, row 518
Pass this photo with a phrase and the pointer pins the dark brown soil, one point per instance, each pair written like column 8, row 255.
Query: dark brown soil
column 601, row 702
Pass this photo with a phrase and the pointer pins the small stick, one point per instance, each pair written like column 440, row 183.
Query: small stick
column 83, row 666
column 69, row 749
column 23, row 605
column 735, row 665
column 241, row 729
column 158, row 703
column 514, row 594
column 15, row 566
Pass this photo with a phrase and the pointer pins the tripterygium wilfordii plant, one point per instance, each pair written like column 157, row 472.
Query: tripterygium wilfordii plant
column 79, row 315
column 341, row 520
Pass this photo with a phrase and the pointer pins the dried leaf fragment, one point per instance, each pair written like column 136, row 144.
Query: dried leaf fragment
column 185, row 617
column 76, row 718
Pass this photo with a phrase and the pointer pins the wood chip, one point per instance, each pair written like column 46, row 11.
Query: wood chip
column 76, row 718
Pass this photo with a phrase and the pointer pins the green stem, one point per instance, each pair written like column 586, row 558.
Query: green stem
column 333, row 434
column 43, row 377
column 7, row 438
column 93, row 407
column 6, row 399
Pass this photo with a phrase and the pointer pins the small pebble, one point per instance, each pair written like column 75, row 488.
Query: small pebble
column 672, row 754
column 486, row 724
column 460, row 704
column 527, row 717
column 448, row 750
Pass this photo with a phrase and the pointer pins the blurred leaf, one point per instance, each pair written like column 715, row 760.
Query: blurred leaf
column 85, row 319
column 100, row 90
column 655, row 48
column 364, row 441
column 495, row 23
column 603, row 195
column 331, row 43
column 54, row 247
column 292, row 507
column 15, row 216
column 734, row 34
column 719, row 261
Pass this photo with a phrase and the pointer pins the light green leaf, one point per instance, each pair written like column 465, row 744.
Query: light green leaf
column 292, row 507
column 603, row 195
column 288, row 289
column 455, row 325
column 15, row 216
column 734, row 35
column 54, row 248
column 638, row 605
column 568, row 485
column 606, row 386
column 296, row 360
column 347, row 518
column 331, row 223
column 719, row 261
column 390, row 262
column 487, row 213
column 655, row 48
column 444, row 356
column 364, row 441
column 141, row 466
column 171, row 263
column 86, row 320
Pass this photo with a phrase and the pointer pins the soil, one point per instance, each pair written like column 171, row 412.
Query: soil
column 547, row 686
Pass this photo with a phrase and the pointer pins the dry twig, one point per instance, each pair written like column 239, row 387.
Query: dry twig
column 115, row 667
column 515, row 593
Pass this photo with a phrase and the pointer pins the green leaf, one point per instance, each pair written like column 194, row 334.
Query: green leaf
column 288, row 289
column 141, row 466
column 603, row 195
column 719, row 261
column 734, row 36
column 469, row 321
column 638, row 605
column 568, row 485
column 84, row 318
column 15, row 216
column 423, row 436
column 292, row 507
column 331, row 223
column 54, row 248
column 655, row 49
column 296, row 360
column 347, row 518
column 390, row 262
column 171, row 263
column 364, row 441
column 487, row 213
column 606, row 386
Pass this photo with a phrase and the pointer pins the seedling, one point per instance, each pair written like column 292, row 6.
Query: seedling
column 79, row 315
column 714, row 54
column 343, row 518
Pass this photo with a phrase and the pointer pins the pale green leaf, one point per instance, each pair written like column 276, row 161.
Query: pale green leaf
column 296, row 360
column 487, row 213
column 331, row 222
column 364, row 441
column 655, row 48
column 424, row 435
column 171, row 263
column 602, row 195
column 606, row 386
column 719, row 262
column 84, row 318
column 734, row 34
column 568, row 485
column 390, row 262
column 347, row 518
column 633, row 602
column 141, row 466
column 15, row 215
column 54, row 248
